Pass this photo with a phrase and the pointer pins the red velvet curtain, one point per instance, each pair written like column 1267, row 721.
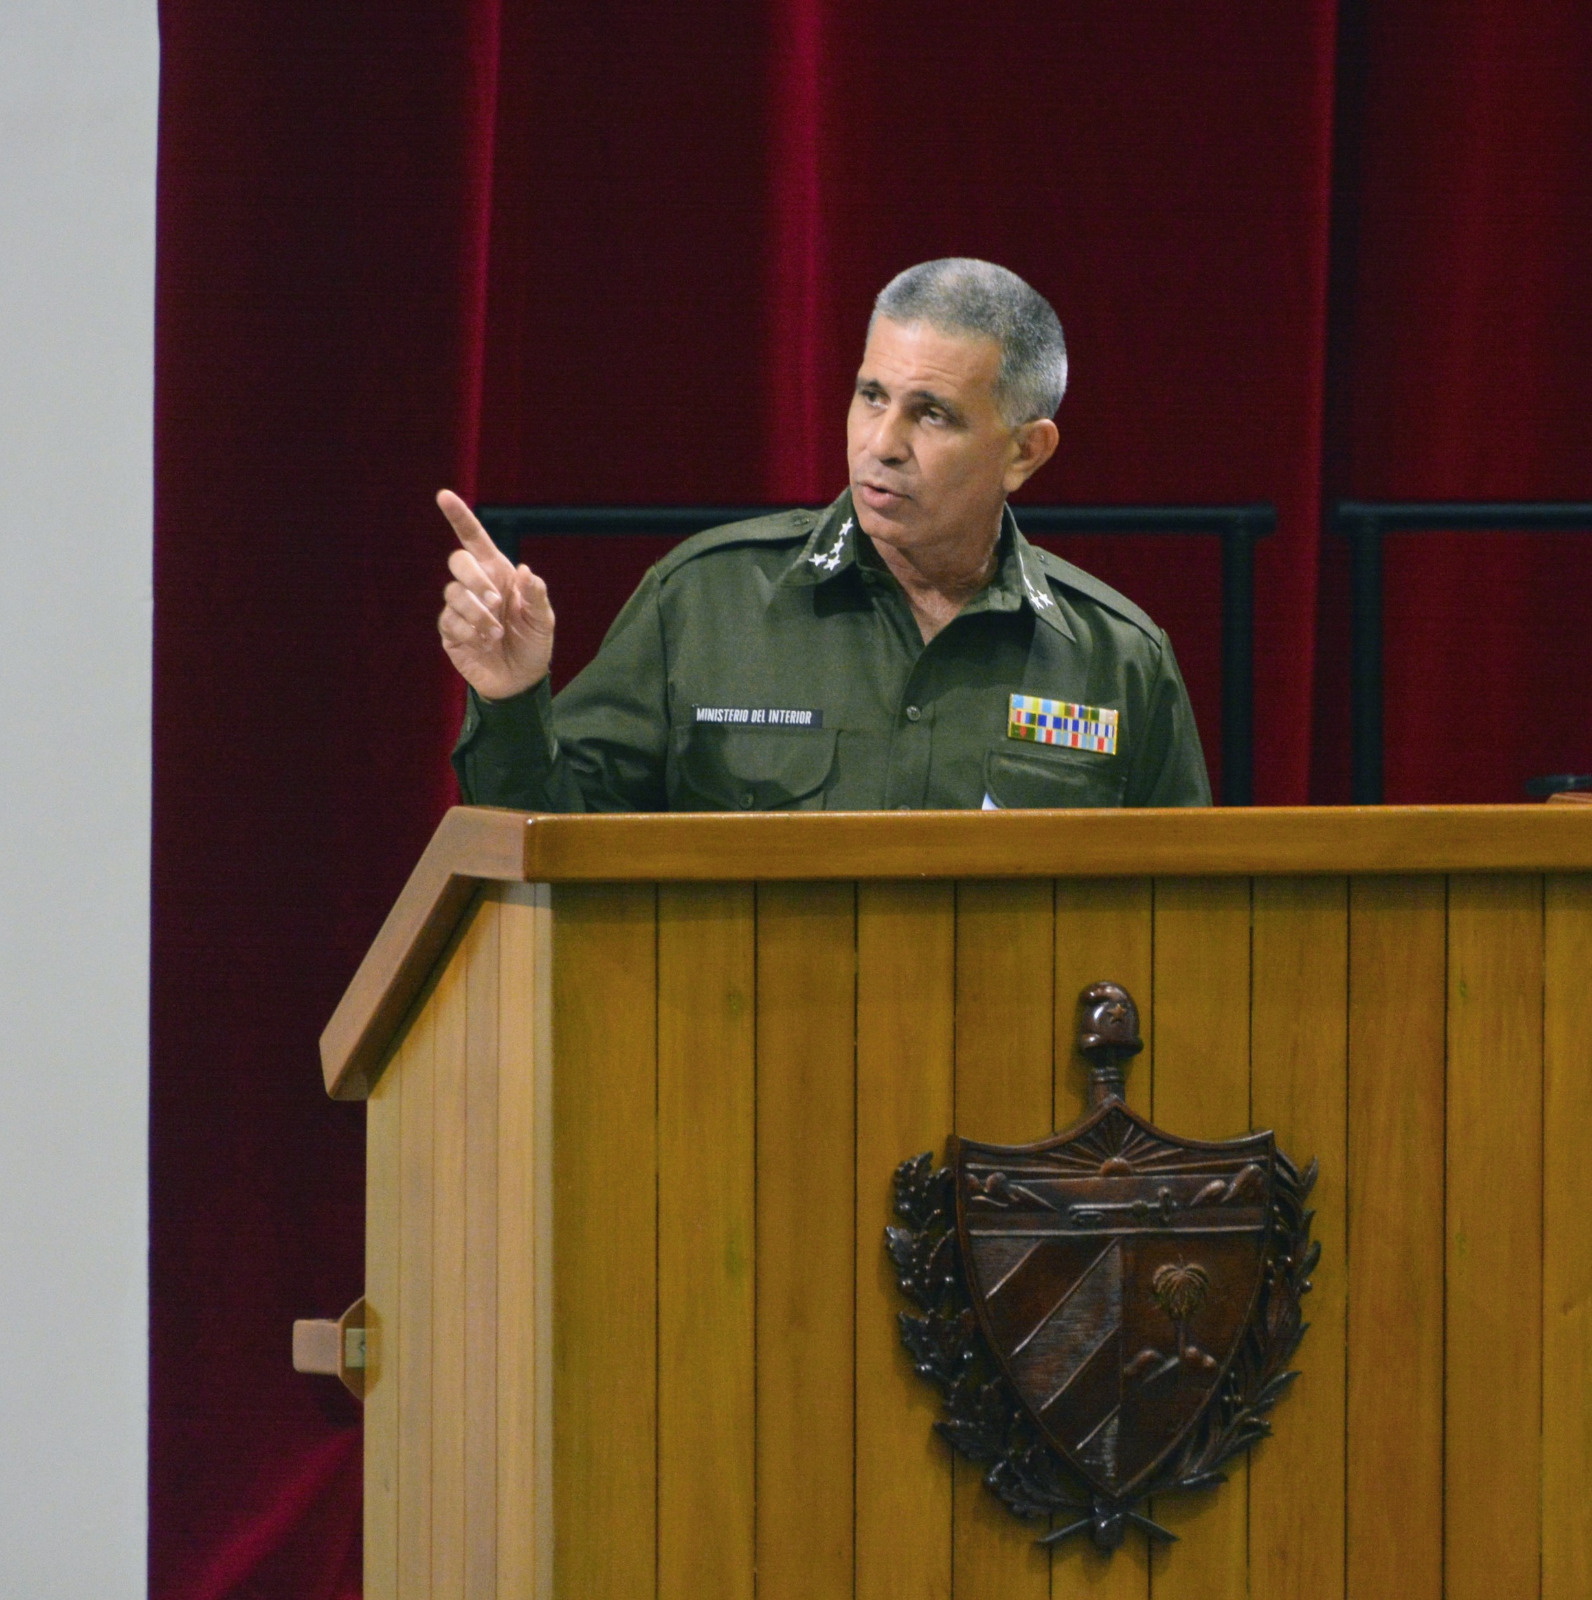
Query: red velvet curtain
column 323, row 203
column 1464, row 331
column 567, row 252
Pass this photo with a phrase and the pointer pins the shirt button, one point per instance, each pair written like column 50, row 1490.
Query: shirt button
column 746, row 801
column 913, row 713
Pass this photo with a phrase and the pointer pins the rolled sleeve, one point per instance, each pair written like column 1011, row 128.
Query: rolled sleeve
column 507, row 753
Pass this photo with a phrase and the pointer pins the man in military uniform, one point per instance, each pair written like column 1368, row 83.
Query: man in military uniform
column 905, row 648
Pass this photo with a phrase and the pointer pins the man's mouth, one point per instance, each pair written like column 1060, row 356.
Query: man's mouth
column 879, row 496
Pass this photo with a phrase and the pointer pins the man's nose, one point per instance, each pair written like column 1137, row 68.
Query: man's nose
column 891, row 436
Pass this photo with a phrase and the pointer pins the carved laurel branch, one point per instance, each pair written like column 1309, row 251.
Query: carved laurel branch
column 987, row 1424
column 1259, row 1376
column 983, row 1420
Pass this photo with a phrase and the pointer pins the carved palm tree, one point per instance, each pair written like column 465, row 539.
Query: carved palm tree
column 1180, row 1289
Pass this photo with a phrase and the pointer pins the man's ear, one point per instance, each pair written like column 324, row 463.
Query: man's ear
column 1035, row 444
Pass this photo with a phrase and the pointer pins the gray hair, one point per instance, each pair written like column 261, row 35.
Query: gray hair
column 961, row 295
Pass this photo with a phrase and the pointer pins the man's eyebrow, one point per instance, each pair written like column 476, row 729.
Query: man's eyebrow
column 928, row 397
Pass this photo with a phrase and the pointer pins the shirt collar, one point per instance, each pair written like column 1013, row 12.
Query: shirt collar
column 1024, row 568
column 832, row 548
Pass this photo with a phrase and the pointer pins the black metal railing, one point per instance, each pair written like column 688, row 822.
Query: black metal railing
column 1364, row 524
column 1238, row 528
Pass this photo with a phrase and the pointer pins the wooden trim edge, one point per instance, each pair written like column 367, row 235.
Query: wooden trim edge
column 471, row 845
column 1206, row 842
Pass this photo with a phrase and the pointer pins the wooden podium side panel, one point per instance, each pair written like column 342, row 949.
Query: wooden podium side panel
column 479, row 1321
column 1493, row 1416
column 416, row 1236
column 1397, row 979
column 1567, row 1243
column 1005, row 1054
column 525, row 1353
column 806, row 1244
column 383, row 1122
column 431, row 1523
column 449, row 1267
column 706, row 1242
column 906, row 990
column 606, row 1238
column 1202, row 933
column 1299, row 1089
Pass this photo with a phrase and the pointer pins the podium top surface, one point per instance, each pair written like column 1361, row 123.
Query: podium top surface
column 475, row 845
column 730, row 847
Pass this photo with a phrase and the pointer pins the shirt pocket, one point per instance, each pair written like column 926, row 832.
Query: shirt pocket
column 732, row 769
column 1027, row 780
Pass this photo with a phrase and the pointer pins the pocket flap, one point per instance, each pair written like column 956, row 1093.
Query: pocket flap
column 1023, row 780
column 731, row 769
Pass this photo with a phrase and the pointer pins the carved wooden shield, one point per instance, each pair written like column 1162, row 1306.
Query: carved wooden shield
column 1114, row 1269
column 1109, row 1313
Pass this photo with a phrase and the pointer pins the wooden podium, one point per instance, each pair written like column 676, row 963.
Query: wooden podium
column 637, row 1087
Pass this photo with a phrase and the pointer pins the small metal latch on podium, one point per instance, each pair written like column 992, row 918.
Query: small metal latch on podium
column 334, row 1349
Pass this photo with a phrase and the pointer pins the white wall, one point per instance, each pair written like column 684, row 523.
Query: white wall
column 78, row 84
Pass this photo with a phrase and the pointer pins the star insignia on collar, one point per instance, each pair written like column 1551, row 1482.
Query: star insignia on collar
column 1037, row 598
column 829, row 560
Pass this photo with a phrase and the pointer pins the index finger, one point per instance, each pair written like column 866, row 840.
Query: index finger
column 469, row 532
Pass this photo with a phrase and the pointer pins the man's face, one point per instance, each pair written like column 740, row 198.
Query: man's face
column 931, row 457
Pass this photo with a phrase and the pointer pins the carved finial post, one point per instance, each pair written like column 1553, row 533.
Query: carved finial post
column 1108, row 1035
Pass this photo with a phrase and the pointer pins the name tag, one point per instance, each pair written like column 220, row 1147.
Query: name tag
column 761, row 716
column 1061, row 722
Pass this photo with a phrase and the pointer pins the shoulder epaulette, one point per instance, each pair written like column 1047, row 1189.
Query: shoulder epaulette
column 782, row 527
column 1068, row 576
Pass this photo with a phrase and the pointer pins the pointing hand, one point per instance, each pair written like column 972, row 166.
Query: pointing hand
column 496, row 623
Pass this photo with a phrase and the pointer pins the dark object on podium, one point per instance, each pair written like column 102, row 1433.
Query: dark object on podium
column 1365, row 524
column 1559, row 783
column 1109, row 1313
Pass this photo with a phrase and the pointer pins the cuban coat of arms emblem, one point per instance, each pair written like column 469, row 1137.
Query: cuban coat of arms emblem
column 1110, row 1312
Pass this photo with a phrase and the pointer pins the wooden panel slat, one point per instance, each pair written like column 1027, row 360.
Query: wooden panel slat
column 480, row 1252
column 449, row 1134
column 1398, row 944
column 383, row 1222
column 1005, row 1021
column 706, row 1247
column 806, row 1257
column 525, row 1245
column 1567, row 1242
column 1299, row 1088
column 605, row 1276
column 1202, row 1091
column 415, row 1279
column 1104, row 929
column 1492, row 1439
column 906, row 977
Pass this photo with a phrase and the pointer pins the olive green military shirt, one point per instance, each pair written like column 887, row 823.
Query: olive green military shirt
column 776, row 664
